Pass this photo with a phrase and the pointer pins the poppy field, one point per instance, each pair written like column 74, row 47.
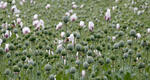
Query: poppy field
column 74, row 39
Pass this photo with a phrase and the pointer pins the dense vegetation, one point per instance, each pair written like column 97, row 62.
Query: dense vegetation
column 75, row 40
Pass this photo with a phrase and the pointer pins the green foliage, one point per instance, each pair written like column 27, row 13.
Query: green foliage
column 105, row 53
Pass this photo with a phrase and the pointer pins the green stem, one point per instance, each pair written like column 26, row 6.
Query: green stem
column 131, row 62
column 147, row 58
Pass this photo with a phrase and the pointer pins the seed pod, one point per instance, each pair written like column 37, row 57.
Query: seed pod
column 130, row 52
column 1, row 51
column 138, row 55
column 7, row 72
column 66, row 19
column 101, row 61
column 51, row 77
column 116, row 46
column 108, row 60
column 90, row 60
column 64, row 53
column 72, row 70
column 38, row 73
column 85, row 65
column 16, row 69
column 133, row 33
column 70, row 47
column 129, row 42
column 89, row 52
column 121, row 43
column 48, row 67
column 8, row 55
column 78, row 62
column 26, row 66
column 141, row 65
column 78, row 47
column 125, row 55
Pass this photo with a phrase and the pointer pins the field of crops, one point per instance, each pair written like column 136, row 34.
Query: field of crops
column 74, row 39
